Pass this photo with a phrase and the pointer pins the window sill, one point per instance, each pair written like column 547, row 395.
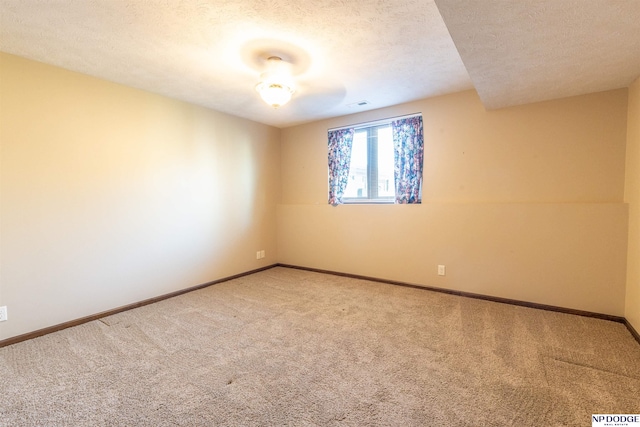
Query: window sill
column 373, row 202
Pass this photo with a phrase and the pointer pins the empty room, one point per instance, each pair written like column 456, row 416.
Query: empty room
column 319, row 213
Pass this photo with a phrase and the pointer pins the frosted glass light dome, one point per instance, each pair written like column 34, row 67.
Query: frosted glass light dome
column 276, row 87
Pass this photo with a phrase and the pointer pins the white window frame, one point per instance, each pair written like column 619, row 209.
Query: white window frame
column 372, row 159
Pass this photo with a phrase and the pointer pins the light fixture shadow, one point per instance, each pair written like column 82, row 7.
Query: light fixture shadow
column 323, row 96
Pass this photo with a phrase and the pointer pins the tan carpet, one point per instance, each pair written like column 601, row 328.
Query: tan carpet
column 286, row 347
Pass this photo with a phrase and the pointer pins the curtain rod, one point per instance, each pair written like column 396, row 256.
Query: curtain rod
column 375, row 122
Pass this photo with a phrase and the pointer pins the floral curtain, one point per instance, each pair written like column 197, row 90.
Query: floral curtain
column 408, row 145
column 340, row 142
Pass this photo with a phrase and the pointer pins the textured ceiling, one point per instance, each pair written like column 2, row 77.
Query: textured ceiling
column 211, row 52
column 522, row 51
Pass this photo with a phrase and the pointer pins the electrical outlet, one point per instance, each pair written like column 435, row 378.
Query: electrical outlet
column 441, row 270
column 3, row 313
column 258, row 255
column 262, row 253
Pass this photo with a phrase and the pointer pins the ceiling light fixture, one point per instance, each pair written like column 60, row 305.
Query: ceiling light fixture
column 276, row 86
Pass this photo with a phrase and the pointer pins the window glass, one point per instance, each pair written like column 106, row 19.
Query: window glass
column 386, row 181
column 357, row 185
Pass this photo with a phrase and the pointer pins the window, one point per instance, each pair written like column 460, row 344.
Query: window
column 378, row 162
column 371, row 176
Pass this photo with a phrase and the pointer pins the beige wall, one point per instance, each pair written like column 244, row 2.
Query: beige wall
column 632, row 197
column 523, row 203
column 111, row 195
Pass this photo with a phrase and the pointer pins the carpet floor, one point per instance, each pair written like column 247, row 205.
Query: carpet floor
column 286, row 347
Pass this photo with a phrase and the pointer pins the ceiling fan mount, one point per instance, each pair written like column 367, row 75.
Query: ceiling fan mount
column 256, row 53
